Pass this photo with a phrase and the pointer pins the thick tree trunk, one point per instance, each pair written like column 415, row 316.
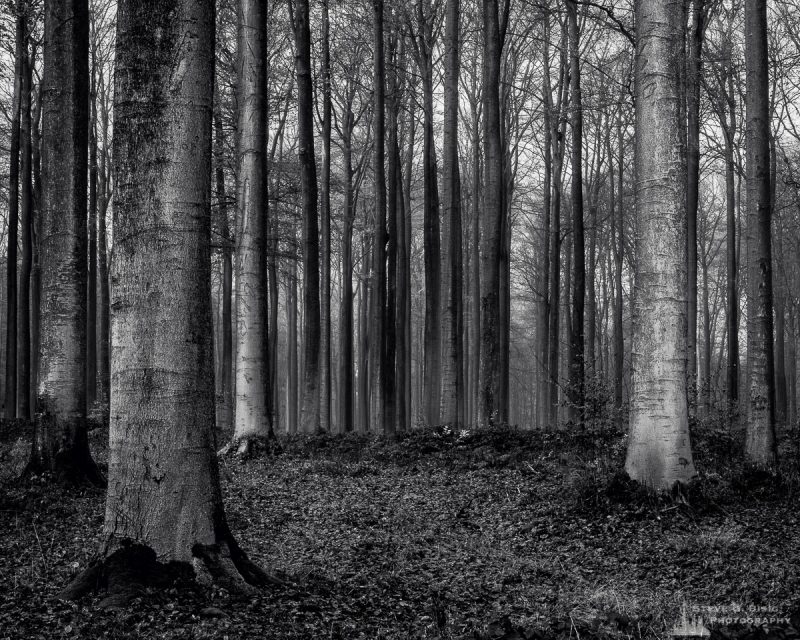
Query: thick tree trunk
column 659, row 453
column 163, row 490
column 577, row 364
column 60, row 441
column 10, row 399
column 452, row 386
column 308, row 186
column 325, row 231
column 760, row 448
column 251, row 412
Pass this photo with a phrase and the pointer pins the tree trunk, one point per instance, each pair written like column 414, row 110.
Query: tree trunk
column 225, row 418
column 104, row 360
column 693, row 80
column 452, row 385
column 163, row 489
column 379, row 421
column 577, row 365
column 491, row 220
column 292, row 391
column 364, row 341
column 659, row 453
column 251, row 412
column 346, row 353
column 431, row 235
column 325, row 232
column 60, row 441
column 619, row 253
column 26, row 264
column 308, row 186
column 91, row 305
column 10, row 400
column 760, row 447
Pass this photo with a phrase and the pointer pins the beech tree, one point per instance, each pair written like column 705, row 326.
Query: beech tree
column 164, row 499
column 251, row 412
column 659, row 453
column 60, row 442
column 760, row 448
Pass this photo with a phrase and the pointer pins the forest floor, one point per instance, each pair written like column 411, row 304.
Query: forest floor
column 511, row 535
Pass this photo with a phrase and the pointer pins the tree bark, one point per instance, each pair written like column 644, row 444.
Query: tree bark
column 308, row 186
column 379, row 422
column 163, row 489
column 26, row 263
column 452, row 408
column 659, row 454
column 491, row 220
column 760, row 447
column 325, row 231
column 10, row 400
column 251, row 412
column 91, row 305
column 693, row 80
column 60, row 442
column 577, row 364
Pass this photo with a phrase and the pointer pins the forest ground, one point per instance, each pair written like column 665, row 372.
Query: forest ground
column 483, row 535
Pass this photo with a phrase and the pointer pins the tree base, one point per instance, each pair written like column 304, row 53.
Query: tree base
column 132, row 569
column 67, row 470
column 249, row 447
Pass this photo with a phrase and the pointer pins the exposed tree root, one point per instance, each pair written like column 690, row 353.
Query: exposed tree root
column 129, row 571
column 250, row 447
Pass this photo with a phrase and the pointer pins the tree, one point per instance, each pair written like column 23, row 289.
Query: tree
column 452, row 385
column 577, row 364
column 659, row 453
column 309, row 417
column 325, row 228
column 492, row 215
column 60, row 443
column 380, row 420
column 163, row 493
column 10, row 400
column 251, row 413
column 760, row 448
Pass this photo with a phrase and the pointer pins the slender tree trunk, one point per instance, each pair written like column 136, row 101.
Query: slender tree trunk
column 308, row 186
column 10, row 400
column 402, row 293
column 325, row 231
column 577, row 363
column 292, row 392
column 60, row 441
column 619, row 253
column 544, row 268
column 760, row 448
column 251, row 412
column 225, row 420
column 659, row 453
column 405, row 262
column 693, row 80
column 91, row 306
column 389, row 390
column 26, row 264
column 104, row 360
column 364, row 341
column 346, row 390
column 379, row 421
column 732, row 267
